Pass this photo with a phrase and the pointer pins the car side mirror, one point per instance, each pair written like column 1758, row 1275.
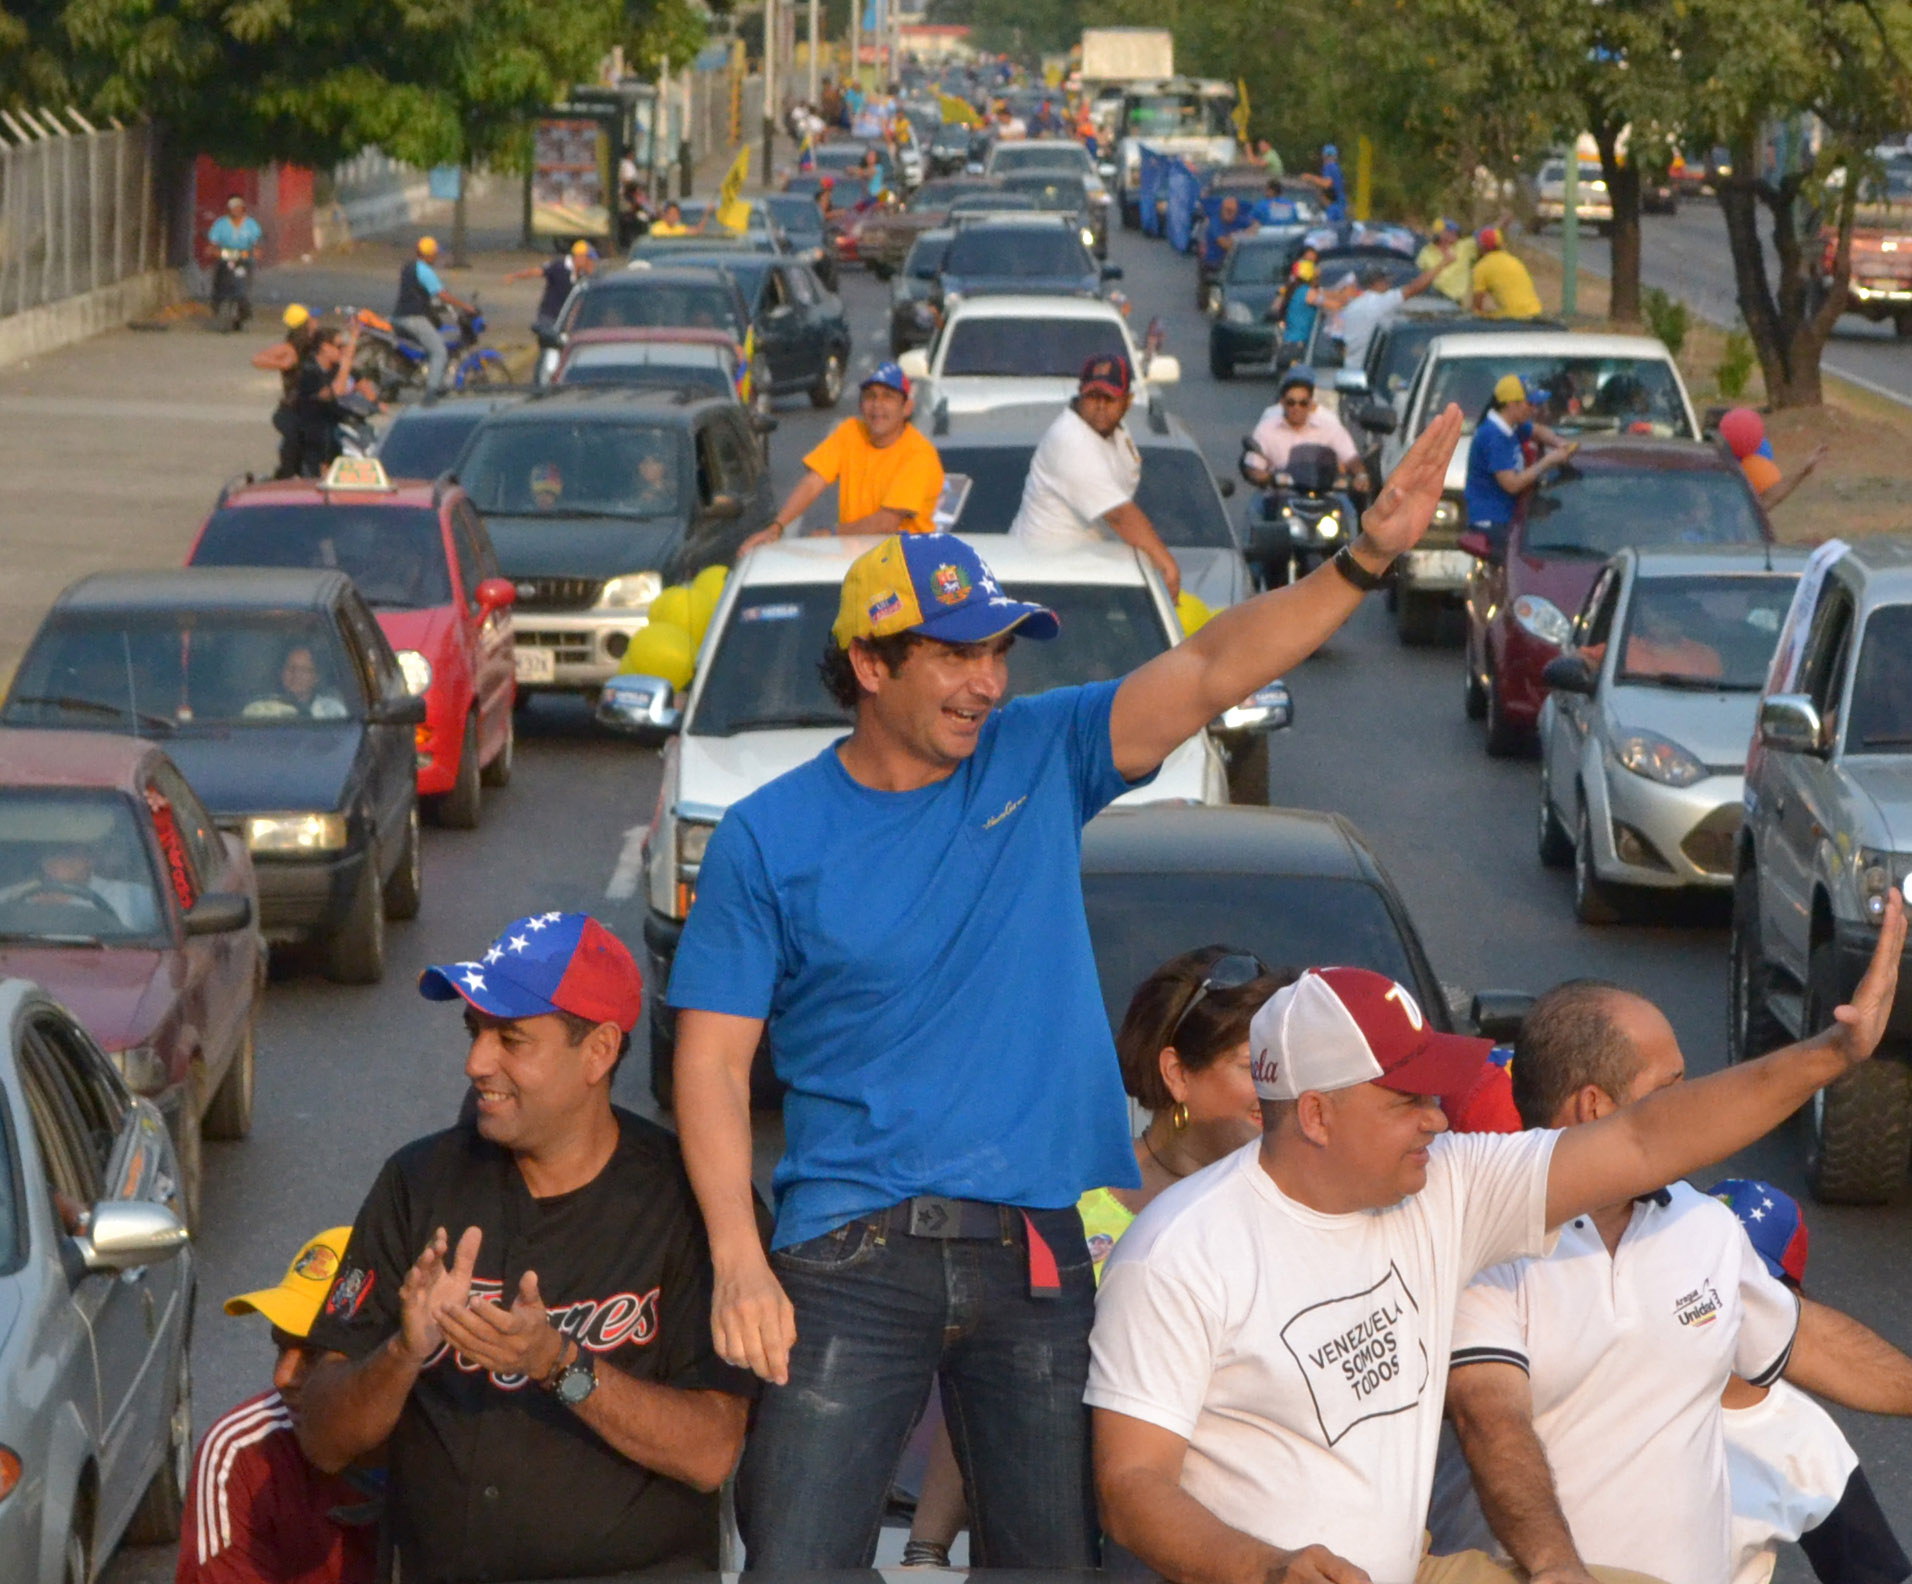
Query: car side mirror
column 497, row 593
column 550, row 338
column 1378, row 418
column 219, row 913
column 914, row 363
column 123, row 1233
column 1111, row 271
column 406, row 711
column 1267, row 709
column 1568, row 673
column 1165, row 368
column 1498, row 1014
column 1352, row 382
column 1790, row 723
column 639, row 706
column 1476, row 544
column 723, row 508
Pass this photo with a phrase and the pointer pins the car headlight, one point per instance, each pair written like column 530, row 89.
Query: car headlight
column 1329, row 526
column 417, row 669
column 1448, row 513
column 1877, row 873
column 1658, row 758
column 693, row 836
column 142, row 1067
column 295, row 833
column 1088, row 237
column 1543, row 619
column 1237, row 313
column 632, row 591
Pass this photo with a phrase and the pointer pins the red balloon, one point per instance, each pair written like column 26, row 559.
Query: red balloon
column 1743, row 430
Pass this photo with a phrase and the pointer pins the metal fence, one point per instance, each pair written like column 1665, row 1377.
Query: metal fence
column 79, row 207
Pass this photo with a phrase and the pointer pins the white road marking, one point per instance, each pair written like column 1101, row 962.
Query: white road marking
column 630, row 866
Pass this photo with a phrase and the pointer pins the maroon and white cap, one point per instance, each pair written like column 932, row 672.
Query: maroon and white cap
column 1334, row 1028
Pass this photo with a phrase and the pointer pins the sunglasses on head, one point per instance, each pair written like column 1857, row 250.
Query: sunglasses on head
column 1224, row 973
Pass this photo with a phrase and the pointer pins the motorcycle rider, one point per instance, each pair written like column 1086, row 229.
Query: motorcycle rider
column 235, row 231
column 421, row 299
column 283, row 358
column 1295, row 420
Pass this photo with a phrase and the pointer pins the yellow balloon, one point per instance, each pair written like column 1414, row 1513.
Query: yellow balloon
column 672, row 608
column 702, row 604
column 661, row 650
column 711, row 579
column 1191, row 608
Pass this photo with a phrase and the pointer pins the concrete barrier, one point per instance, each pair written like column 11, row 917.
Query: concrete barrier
column 58, row 324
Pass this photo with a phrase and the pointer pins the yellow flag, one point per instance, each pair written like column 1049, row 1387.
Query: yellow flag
column 961, row 111
column 1240, row 113
column 732, row 212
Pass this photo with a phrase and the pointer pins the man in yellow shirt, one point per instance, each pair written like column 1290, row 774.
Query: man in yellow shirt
column 888, row 476
column 1451, row 256
column 1502, row 287
column 671, row 223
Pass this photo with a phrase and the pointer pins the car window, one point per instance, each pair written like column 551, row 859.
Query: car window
column 170, row 796
column 424, row 445
column 803, row 285
column 564, row 468
column 481, row 540
column 776, row 291
column 731, row 472
column 75, row 867
column 1029, row 348
column 78, row 1109
column 926, row 258
column 1713, row 633
column 701, row 305
column 470, row 572
column 1177, row 492
column 1588, row 513
column 395, row 554
column 1623, row 395
column 1017, row 254
column 1822, row 674
column 1880, row 719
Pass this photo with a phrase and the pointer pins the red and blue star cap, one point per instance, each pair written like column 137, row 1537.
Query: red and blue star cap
column 936, row 585
column 1773, row 1221
column 544, row 963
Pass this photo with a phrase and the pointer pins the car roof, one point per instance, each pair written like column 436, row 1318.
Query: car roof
column 640, row 273
column 621, row 335
column 205, row 588
column 824, row 558
column 1022, row 424
column 1883, row 560
column 1691, row 561
column 310, row 492
column 1030, row 305
column 1164, row 838
column 31, row 758
column 449, row 405
column 1044, row 143
column 610, row 404
column 1567, row 343
column 1016, row 220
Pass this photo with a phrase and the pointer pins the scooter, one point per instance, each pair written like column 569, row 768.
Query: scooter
column 399, row 363
column 1299, row 519
column 232, row 284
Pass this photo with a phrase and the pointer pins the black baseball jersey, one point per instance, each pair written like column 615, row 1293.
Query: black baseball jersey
column 493, row 1477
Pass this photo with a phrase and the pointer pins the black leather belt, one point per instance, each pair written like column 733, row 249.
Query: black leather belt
column 934, row 1216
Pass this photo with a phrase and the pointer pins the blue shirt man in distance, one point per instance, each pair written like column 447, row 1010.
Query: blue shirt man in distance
column 903, row 917
column 1498, row 473
column 235, row 231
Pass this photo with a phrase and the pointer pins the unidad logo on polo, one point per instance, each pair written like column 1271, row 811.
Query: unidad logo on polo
column 1701, row 1307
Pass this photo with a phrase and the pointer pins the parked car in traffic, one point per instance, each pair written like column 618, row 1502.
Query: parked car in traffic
column 804, row 233
column 799, row 333
column 914, row 314
column 884, row 236
column 424, row 438
column 1021, row 254
column 1068, row 195
column 1593, row 204
column 678, row 297
column 1826, row 838
column 1244, row 292
column 123, row 901
column 702, row 361
column 281, row 701
column 1649, row 712
column 422, row 560
column 96, row 1287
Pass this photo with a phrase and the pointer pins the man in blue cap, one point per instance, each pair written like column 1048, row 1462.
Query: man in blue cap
column 903, row 918
column 1498, row 472
column 522, row 1312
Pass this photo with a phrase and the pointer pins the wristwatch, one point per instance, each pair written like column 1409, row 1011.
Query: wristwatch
column 576, row 1381
column 1367, row 582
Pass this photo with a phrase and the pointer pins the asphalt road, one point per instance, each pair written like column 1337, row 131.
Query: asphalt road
column 1685, row 255
column 346, row 1075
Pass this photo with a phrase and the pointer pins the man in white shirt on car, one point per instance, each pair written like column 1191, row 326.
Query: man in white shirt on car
column 1297, row 419
column 1604, row 1361
column 1271, row 1343
column 1084, row 475
column 1377, row 304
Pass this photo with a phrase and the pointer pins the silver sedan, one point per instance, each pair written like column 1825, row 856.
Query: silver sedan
column 1644, row 732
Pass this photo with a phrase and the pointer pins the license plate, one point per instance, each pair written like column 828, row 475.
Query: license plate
column 1439, row 566
column 535, row 665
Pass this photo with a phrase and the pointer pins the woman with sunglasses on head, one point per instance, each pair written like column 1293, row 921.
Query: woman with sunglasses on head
column 1183, row 1046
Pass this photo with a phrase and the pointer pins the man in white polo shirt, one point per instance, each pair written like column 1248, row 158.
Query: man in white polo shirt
column 1084, row 475
column 1271, row 1343
column 1604, row 1361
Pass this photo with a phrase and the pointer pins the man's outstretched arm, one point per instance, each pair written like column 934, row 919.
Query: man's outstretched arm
column 1164, row 703
column 1837, row 1358
column 1492, row 1407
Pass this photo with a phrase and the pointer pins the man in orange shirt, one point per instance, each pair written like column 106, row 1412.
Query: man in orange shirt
column 888, row 476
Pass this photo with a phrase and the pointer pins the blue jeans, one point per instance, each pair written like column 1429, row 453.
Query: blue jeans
column 880, row 1314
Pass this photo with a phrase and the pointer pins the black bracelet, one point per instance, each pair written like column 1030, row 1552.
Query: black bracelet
column 1367, row 582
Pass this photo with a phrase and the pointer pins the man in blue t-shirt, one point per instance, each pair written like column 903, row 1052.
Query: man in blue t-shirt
column 1498, row 472
column 237, row 234
column 903, row 917
column 421, row 299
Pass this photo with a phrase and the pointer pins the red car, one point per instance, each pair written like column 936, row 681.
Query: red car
column 422, row 560
column 121, row 898
column 1613, row 494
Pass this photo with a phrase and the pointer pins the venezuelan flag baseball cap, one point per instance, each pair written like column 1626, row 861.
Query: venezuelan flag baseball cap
column 1334, row 1028
column 932, row 584
column 1773, row 1224
column 890, row 376
column 293, row 1305
column 544, row 963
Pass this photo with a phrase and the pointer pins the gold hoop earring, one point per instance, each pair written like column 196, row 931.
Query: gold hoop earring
column 1178, row 1118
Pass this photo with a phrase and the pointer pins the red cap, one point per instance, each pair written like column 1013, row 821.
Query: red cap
column 1334, row 1028
column 1109, row 374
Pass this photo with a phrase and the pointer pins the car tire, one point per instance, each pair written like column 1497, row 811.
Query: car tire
column 1505, row 740
column 229, row 1113
column 1594, row 901
column 1473, row 695
column 1751, row 1028
column 1220, row 367
column 463, row 806
column 1248, row 773
column 405, row 891
column 1858, row 1129
column 1553, row 844
column 497, row 773
column 1417, row 618
column 828, row 390
column 162, row 1509
column 189, row 1146
column 355, row 951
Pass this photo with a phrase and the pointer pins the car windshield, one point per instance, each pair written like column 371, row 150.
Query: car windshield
column 838, row 156
column 797, row 214
column 1584, row 394
column 649, row 366
column 1704, row 632
column 167, row 671
column 1191, row 115
column 1590, row 513
column 1056, row 193
column 1030, row 348
column 1177, row 493
column 1259, row 263
column 764, row 672
column 1009, row 160
column 1017, row 253
column 998, row 201
column 1880, row 719
column 1138, row 921
column 561, row 468
column 926, row 258
column 395, row 554
column 698, row 305
column 1398, row 353
column 73, row 868
column 940, row 194
column 425, row 444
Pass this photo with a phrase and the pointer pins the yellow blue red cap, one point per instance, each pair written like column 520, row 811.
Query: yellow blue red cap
column 936, row 585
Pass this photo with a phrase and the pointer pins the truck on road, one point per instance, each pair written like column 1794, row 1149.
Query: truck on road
column 1126, row 54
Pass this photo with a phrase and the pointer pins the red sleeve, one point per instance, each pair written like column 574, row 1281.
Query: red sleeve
column 226, row 1535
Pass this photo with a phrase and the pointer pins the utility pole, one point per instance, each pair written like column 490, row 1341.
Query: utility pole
column 1570, row 233
column 855, row 74
column 814, row 87
column 769, row 87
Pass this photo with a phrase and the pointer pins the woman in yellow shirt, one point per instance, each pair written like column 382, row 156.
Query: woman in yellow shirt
column 1183, row 1046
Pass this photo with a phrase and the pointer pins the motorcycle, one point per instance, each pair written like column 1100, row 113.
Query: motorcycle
column 399, row 364
column 232, row 284
column 1299, row 518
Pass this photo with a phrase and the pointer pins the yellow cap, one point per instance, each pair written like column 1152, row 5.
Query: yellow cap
column 295, row 315
column 293, row 1305
column 1305, row 270
column 427, row 247
column 580, row 248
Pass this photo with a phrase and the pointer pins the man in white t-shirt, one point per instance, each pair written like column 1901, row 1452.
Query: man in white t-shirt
column 1297, row 419
column 1084, row 475
column 1377, row 304
column 1271, row 1343
column 1604, row 1362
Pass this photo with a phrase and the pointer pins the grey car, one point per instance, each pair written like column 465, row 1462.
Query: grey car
column 96, row 1292
column 1643, row 734
column 1827, row 837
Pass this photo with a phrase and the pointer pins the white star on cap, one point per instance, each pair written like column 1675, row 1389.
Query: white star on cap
column 518, row 943
column 552, row 918
column 474, row 980
column 1756, row 1215
column 1767, row 1203
column 535, row 923
column 492, row 956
